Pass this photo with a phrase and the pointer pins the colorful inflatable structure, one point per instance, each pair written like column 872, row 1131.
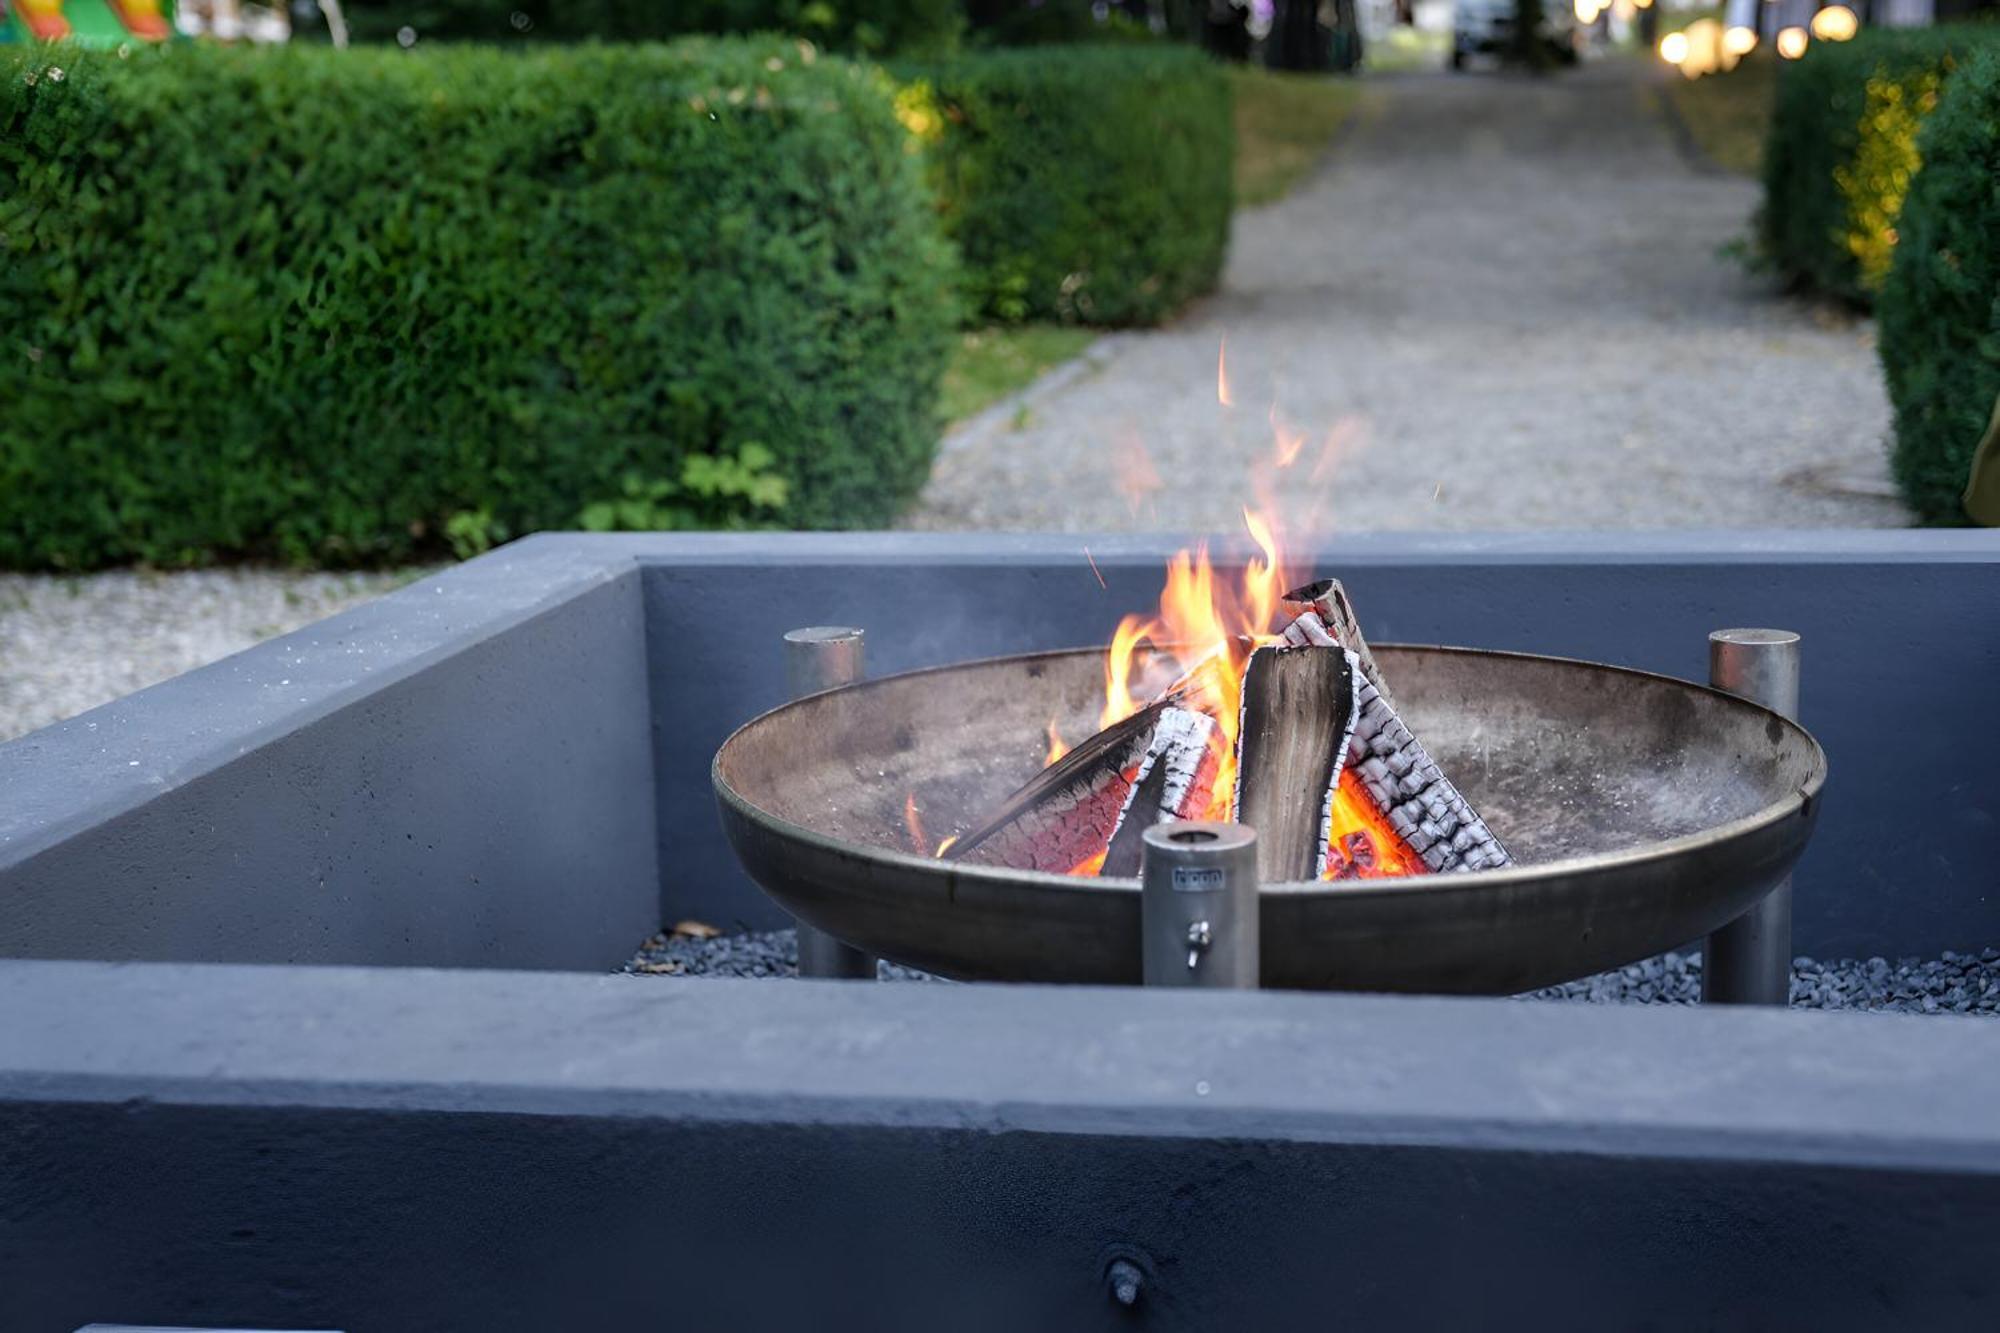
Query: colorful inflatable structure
column 91, row 22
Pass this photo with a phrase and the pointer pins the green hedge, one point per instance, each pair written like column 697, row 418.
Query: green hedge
column 1088, row 184
column 1843, row 149
column 1939, row 312
column 351, row 307
column 913, row 27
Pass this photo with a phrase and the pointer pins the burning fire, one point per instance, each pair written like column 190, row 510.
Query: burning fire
column 1200, row 639
column 1205, row 629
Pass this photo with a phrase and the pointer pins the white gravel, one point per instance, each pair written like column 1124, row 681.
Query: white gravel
column 68, row 644
column 1502, row 301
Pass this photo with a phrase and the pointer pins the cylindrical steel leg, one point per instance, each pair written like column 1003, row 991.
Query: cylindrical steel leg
column 1749, row 961
column 1198, row 905
column 824, row 657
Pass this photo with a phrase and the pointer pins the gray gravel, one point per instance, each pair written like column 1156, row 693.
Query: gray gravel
column 765, row 953
column 70, row 643
column 1502, row 302
column 1952, row 983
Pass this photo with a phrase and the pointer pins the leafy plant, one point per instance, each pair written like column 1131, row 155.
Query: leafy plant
column 1843, row 149
column 738, row 490
column 1086, row 184
column 869, row 27
column 1939, row 311
column 421, row 300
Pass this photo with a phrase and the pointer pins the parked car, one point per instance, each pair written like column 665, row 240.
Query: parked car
column 1486, row 27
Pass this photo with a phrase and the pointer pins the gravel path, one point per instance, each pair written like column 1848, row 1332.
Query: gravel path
column 71, row 643
column 1502, row 302
column 1954, row 983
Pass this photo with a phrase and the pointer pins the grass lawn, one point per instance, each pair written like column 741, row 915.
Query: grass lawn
column 1729, row 113
column 990, row 363
column 1283, row 125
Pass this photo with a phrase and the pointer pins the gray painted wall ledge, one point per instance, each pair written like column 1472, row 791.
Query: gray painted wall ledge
column 1837, row 1090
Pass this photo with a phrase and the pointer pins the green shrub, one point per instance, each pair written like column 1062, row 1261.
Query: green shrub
column 351, row 307
column 1939, row 312
column 1843, row 149
column 913, row 27
column 1089, row 184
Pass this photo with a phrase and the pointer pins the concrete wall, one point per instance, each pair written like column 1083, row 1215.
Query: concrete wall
column 458, row 774
column 462, row 774
column 387, row 1151
column 1902, row 649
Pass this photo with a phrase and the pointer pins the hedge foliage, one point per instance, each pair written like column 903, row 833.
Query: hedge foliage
column 350, row 307
column 875, row 27
column 1939, row 312
column 1088, row 184
column 1843, row 150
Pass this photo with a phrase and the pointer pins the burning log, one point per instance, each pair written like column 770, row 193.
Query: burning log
column 1326, row 619
column 1407, row 787
column 1174, row 782
column 1325, row 769
column 1298, row 715
column 1157, row 764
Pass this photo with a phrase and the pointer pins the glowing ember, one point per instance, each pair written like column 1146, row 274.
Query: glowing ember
column 1360, row 842
column 913, row 823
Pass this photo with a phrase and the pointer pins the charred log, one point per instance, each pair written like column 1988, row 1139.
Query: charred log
column 1299, row 711
column 1420, row 803
column 1155, row 765
column 1174, row 782
column 1326, row 617
column 1066, row 813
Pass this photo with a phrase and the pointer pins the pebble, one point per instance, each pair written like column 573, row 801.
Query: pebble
column 1961, row 983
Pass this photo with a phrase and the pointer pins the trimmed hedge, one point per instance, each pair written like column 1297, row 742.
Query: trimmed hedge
column 911, row 27
column 1089, row 184
column 351, row 307
column 1939, row 312
column 1843, row 149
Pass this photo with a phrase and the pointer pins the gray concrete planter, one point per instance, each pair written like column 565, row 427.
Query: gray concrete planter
column 505, row 767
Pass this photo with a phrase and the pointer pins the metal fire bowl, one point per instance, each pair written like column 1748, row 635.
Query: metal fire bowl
column 1642, row 811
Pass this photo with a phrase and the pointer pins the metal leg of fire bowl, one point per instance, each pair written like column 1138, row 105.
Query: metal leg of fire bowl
column 1749, row 961
column 821, row 658
column 1198, row 905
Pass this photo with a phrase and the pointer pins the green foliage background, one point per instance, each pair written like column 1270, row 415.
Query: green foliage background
column 1939, row 310
column 1087, row 184
column 1843, row 150
column 353, row 307
column 914, row 27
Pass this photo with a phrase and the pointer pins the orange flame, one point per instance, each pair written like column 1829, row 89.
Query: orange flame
column 1058, row 747
column 1286, row 442
column 913, row 822
column 1208, row 628
column 1200, row 639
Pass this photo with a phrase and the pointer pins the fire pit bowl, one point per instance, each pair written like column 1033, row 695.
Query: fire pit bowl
column 1642, row 811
